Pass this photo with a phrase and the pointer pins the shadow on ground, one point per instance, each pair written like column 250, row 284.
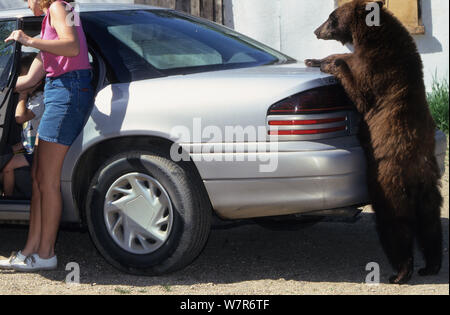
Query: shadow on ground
column 326, row 252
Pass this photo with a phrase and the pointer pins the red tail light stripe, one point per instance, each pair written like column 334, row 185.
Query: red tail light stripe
column 305, row 132
column 305, row 122
column 272, row 111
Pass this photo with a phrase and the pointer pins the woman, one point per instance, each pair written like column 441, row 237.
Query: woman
column 68, row 98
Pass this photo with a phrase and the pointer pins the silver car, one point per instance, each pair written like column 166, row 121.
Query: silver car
column 192, row 121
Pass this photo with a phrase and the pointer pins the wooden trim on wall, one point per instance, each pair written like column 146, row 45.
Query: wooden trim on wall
column 208, row 9
column 407, row 11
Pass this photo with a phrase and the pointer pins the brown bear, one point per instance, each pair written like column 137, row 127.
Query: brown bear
column 384, row 79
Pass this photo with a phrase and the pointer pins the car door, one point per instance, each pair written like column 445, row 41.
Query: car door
column 9, row 61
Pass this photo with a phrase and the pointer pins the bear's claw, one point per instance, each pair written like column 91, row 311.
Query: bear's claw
column 397, row 279
column 313, row 63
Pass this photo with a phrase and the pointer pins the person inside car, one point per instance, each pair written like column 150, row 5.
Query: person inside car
column 29, row 110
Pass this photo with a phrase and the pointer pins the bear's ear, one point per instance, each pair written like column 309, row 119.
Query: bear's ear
column 379, row 2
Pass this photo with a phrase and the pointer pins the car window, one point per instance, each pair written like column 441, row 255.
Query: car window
column 143, row 44
column 6, row 51
column 165, row 48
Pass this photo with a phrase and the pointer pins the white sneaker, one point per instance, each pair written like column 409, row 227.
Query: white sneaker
column 15, row 258
column 36, row 263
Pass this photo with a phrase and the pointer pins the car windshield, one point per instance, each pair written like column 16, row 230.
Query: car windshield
column 142, row 44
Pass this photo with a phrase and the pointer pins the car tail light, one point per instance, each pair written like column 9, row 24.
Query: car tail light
column 318, row 100
column 305, row 132
column 320, row 113
column 305, row 122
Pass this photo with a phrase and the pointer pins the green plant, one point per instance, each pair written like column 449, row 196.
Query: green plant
column 122, row 291
column 438, row 100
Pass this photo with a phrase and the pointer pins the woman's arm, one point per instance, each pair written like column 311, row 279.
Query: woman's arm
column 23, row 114
column 33, row 77
column 68, row 44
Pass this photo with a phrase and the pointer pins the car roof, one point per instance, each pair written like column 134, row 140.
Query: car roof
column 81, row 7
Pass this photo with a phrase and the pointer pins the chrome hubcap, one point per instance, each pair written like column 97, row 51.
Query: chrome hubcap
column 138, row 213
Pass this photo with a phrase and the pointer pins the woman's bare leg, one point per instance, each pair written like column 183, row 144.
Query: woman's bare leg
column 34, row 232
column 50, row 158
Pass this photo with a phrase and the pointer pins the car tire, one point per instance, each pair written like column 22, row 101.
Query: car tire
column 187, row 217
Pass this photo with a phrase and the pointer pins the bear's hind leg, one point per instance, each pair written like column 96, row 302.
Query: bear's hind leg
column 429, row 229
column 397, row 238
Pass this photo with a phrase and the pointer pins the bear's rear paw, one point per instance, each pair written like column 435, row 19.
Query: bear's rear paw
column 398, row 279
column 403, row 276
column 429, row 271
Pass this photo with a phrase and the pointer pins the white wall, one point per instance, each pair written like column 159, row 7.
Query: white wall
column 288, row 25
column 7, row 4
column 103, row 1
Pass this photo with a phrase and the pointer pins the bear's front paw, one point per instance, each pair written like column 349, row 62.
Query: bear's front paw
column 328, row 66
column 331, row 65
column 315, row 63
column 339, row 62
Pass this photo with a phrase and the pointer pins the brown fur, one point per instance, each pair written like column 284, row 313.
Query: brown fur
column 384, row 78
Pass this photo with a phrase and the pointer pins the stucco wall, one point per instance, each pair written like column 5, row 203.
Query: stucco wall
column 288, row 25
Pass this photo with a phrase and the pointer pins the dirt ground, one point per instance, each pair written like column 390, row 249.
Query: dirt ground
column 328, row 258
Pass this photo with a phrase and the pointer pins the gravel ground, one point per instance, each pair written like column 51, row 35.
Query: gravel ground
column 328, row 258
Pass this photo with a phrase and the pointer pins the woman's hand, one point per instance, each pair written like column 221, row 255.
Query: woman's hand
column 20, row 37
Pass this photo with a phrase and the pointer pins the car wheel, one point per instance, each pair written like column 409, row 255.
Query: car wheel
column 147, row 214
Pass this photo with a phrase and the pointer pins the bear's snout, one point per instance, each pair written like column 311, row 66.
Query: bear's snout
column 322, row 32
column 317, row 33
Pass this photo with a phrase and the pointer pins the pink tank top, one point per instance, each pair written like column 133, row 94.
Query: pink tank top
column 58, row 65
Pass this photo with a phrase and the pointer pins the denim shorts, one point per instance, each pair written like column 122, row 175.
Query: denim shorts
column 68, row 101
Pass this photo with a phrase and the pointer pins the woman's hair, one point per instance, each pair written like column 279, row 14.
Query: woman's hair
column 45, row 4
column 26, row 61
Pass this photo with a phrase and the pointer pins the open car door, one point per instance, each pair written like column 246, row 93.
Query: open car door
column 9, row 61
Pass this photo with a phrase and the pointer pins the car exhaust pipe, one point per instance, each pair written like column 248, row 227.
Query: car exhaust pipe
column 343, row 215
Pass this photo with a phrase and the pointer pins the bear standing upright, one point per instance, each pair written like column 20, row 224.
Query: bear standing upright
column 384, row 78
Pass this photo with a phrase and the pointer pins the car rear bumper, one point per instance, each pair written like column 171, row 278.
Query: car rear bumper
column 309, row 177
column 283, row 196
column 303, row 177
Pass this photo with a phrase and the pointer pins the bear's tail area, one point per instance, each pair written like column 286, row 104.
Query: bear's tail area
column 429, row 228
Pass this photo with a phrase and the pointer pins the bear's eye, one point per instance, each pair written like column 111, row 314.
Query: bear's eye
column 334, row 22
